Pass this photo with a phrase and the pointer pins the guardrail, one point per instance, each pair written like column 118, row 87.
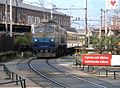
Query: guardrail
column 77, row 62
column 15, row 78
column 100, row 70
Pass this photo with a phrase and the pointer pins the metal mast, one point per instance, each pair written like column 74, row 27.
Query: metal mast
column 10, row 18
column 101, row 17
column 88, row 40
column 106, row 23
column 6, row 16
column 52, row 11
column 86, row 17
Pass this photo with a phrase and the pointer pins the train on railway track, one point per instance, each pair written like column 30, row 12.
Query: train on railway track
column 47, row 39
column 51, row 40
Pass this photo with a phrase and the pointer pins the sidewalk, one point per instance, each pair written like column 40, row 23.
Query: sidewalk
column 95, row 73
column 3, row 76
column 12, row 66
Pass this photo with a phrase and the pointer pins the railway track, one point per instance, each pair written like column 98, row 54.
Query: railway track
column 44, row 76
column 74, row 76
column 67, row 80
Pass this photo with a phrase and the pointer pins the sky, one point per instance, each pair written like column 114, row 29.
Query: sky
column 93, row 7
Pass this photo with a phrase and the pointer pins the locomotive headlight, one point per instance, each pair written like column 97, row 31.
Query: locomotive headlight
column 41, row 51
column 46, row 51
column 35, row 40
column 52, row 40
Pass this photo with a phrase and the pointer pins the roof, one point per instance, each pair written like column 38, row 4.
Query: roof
column 71, row 29
column 32, row 7
column 81, row 31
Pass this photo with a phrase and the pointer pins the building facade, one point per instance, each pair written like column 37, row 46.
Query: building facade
column 26, row 14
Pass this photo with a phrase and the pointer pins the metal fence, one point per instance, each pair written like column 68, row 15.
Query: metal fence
column 15, row 78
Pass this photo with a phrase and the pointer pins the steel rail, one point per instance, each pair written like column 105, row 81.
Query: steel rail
column 44, row 76
column 72, row 75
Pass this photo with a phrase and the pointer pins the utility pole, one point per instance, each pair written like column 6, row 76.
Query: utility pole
column 10, row 18
column 16, row 12
column 101, row 23
column 52, row 11
column 86, row 23
column 6, row 16
column 117, row 19
column 86, row 17
column 106, row 23
column 104, row 20
column 88, row 35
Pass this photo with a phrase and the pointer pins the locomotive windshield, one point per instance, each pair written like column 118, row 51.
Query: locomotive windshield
column 39, row 29
column 44, row 31
column 49, row 29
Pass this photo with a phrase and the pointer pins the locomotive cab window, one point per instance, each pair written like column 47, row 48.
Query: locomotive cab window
column 49, row 29
column 39, row 29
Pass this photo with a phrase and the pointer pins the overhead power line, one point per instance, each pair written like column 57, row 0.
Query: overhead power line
column 69, row 8
column 84, row 20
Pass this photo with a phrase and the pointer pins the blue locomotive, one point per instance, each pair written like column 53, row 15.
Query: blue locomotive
column 49, row 39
